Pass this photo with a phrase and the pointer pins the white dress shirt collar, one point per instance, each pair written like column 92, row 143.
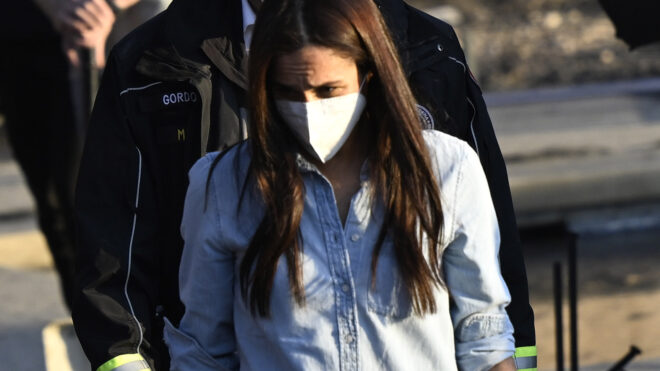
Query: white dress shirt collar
column 248, row 23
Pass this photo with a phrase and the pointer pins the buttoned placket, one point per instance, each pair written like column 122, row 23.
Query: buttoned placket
column 355, row 229
column 340, row 267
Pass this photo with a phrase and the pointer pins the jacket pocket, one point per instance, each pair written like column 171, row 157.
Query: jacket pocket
column 424, row 54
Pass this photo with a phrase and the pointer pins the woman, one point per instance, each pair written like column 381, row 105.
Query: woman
column 335, row 237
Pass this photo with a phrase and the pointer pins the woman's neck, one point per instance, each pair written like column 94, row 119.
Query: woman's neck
column 343, row 171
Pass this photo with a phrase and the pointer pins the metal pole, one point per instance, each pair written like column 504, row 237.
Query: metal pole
column 634, row 351
column 559, row 322
column 572, row 298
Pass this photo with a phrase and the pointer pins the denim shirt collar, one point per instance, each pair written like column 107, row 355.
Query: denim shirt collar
column 307, row 166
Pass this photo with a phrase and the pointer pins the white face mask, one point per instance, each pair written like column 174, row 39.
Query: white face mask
column 323, row 126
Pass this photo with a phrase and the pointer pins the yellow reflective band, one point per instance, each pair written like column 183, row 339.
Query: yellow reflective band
column 123, row 360
column 526, row 351
column 525, row 358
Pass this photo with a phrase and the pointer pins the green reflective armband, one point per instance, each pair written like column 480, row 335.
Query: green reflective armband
column 525, row 358
column 126, row 362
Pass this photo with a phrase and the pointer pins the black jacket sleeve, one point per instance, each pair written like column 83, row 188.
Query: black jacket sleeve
column 115, row 215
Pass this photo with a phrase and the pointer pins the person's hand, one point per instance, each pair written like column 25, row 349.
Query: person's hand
column 86, row 24
column 506, row 365
column 123, row 4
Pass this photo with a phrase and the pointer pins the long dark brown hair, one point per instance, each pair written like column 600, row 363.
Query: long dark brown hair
column 400, row 167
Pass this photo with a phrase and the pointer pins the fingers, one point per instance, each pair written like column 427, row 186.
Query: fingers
column 89, row 14
column 71, row 23
column 86, row 23
column 95, row 13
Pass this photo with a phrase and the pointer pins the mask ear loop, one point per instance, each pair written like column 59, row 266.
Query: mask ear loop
column 364, row 81
column 367, row 76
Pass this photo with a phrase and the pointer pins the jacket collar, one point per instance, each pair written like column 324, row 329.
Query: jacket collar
column 395, row 13
column 210, row 31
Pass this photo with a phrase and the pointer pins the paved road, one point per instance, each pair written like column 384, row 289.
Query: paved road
column 30, row 298
column 579, row 148
column 30, row 301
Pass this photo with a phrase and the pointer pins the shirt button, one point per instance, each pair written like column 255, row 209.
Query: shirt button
column 349, row 339
column 355, row 237
column 345, row 288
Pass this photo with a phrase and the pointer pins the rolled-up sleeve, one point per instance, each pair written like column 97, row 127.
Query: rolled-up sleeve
column 205, row 337
column 482, row 329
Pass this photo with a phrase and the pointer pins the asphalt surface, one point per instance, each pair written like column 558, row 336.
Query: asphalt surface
column 30, row 300
column 583, row 148
column 585, row 156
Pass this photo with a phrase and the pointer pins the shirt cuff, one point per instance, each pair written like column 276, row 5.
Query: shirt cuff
column 188, row 354
column 484, row 340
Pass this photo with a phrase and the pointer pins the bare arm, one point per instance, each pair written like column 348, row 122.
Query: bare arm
column 124, row 4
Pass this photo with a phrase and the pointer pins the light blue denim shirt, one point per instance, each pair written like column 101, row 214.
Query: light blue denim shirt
column 345, row 324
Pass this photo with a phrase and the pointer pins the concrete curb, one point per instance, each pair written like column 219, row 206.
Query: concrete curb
column 25, row 250
column 559, row 94
column 62, row 350
column 546, row 193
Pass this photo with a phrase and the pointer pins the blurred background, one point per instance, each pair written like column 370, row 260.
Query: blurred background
column 577, row 115
column 523, row 44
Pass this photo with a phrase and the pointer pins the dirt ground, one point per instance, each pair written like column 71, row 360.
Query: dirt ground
column 608, row 325
column 618, row 295
column 517, row 44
